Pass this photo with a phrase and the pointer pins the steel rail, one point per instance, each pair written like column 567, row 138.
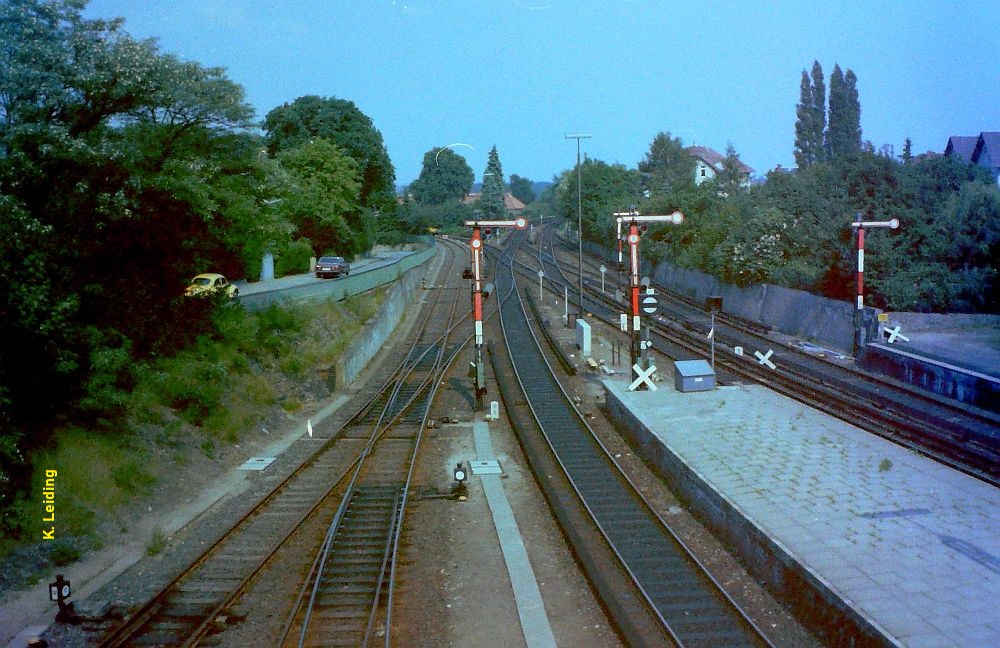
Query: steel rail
column 386, row 577
column 960, row 437
column 146, row 615
column 693, row 607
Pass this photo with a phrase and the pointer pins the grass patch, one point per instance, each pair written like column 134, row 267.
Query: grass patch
column 885, row 465
column 63, row 553
column 131, row 477
column 94, row 472
column 198, row 400
column 156, row 543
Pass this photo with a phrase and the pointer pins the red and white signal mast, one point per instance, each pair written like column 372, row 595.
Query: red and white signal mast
column 636, row 222
column 481, row 292
column 860, row 225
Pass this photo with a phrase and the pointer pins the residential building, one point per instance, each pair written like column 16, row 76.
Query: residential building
column 982, row 150
column 987, row 153
column 709, row 162
column 514, row 206
column 961, row 146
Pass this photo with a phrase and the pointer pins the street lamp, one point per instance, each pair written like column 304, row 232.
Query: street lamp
column 579, row 212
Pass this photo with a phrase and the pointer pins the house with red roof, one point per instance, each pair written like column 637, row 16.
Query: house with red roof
column 514, row 206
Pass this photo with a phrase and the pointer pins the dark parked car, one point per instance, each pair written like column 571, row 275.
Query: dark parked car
column 331, row 266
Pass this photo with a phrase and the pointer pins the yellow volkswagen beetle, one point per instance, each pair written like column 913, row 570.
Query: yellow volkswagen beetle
column 211, row 283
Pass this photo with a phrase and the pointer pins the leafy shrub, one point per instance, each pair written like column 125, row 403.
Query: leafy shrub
column 110, row 378
column 294, row 259
column 63, row 553
column 132, row 477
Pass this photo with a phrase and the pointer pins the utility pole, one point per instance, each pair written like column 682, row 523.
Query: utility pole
column 480, row 292
column 634, row 221
column 579, row 212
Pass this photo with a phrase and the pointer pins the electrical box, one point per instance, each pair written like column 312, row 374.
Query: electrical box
column 693, row 375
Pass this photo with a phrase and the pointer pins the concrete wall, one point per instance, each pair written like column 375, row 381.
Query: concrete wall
column 972, row 388
column 354, row 284
column 379, row 327
column 827, row 322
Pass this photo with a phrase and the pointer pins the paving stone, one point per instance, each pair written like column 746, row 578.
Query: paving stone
column 912, row 545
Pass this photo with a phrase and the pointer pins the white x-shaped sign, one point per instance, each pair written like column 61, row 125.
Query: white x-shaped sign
column 644, row 377
column 894, row 333
column 765, row 358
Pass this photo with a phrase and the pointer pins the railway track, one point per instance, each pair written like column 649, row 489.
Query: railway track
column 185, row 610
column 347, row 597
column 964, row 438
column 690, row 608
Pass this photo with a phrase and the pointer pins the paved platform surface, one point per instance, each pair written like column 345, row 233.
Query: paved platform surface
column 911, row 546
column 535, row 625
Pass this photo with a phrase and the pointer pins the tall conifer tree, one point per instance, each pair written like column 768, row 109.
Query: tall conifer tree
column 811, row 118
column 804, row 155
column 852, row 122
column 492, row 196
column 818, row 112
column 843, row 137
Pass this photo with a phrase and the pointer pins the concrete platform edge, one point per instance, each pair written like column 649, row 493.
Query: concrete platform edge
column 813, row 601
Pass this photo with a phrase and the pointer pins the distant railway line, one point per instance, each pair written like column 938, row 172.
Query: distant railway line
column 657, row 590
column 360, row 476
column 359, row 472
column 963, row 437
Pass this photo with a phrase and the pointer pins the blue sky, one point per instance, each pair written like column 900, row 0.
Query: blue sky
column 521, row 74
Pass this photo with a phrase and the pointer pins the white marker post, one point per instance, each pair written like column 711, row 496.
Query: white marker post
column 894, row 333
column 765, row 358
column 541, row 275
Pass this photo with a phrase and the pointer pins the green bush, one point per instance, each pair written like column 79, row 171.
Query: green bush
column 132, row 477
column 294, row 259
column 63, row 553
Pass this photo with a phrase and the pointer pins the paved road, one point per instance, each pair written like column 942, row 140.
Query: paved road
column 290, row 281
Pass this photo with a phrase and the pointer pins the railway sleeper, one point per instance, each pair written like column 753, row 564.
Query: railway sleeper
column 348, row 578
column 215, row 585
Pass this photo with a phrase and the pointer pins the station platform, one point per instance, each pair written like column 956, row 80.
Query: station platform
column 870, row 542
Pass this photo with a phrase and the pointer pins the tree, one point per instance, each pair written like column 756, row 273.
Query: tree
column 607, row 188
column 521, row 189
column 445, row 176
column 321, row 196
column 811, row 118
column 819, row 116
column 492, row 196
column 667, row 165
column 907, row 151
column 128, row 170
column 343, row 124
column 730, row 179
column 843, row 137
